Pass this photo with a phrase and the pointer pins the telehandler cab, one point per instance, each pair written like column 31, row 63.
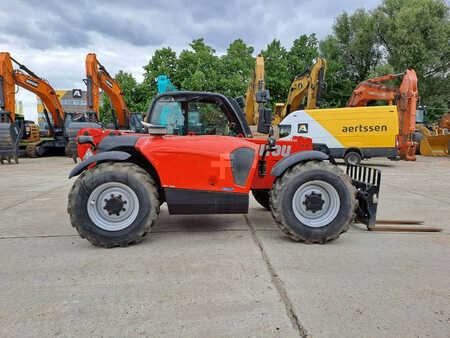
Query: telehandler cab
column 199, row 157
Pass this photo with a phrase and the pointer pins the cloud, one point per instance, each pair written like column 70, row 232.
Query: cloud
column 52, row 37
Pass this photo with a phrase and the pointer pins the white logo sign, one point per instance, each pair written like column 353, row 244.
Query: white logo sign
column 76, row 93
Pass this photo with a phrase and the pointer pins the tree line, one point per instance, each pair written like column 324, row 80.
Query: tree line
column 396, row 35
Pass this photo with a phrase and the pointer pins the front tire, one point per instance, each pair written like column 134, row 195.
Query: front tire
column 313, row 202
column 114, row 204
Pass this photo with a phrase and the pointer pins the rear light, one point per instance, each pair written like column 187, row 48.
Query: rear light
column 396, row 141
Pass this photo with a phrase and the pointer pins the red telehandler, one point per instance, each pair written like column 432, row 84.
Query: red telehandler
column 199, row 157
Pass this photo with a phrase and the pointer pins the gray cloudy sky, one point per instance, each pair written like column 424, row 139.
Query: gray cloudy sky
column 52, row 37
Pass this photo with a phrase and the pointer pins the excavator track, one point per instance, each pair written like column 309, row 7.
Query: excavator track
column 9, row 139
column 31, row 150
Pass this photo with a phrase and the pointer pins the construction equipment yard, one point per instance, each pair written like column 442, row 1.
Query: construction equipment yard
column 224, row 275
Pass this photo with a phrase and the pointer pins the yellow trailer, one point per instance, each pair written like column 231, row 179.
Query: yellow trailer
column 353, row 134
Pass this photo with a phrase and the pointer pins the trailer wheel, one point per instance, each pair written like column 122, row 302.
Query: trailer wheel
column 262, row 196
column 114, row 204
column 313, row 202
column 353, row 157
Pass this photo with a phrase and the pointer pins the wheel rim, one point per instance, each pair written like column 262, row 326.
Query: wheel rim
column 353, row 158
column 113, row 206
column 316, row 203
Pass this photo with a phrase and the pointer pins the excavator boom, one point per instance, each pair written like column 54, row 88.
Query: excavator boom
column 316, row 80
column 405, row 98
column 45, row 92
column 257, row 83
column 98, row 78
column 307, row 85
column 7, row 89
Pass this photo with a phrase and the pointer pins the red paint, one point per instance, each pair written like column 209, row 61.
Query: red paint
column 203, row 162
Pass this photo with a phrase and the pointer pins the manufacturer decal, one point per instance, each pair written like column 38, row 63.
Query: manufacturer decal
column 363, row 129
column 77, row 93
column 32, row 83
column 302, row 128
column 284, row 150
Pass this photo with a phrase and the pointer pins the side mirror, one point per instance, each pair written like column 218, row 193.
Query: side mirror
column 240, row 101
column 264, row 120
column 262, row 96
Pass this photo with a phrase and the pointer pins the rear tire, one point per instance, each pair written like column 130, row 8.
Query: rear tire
column 114, row 204
column 262, row 196
column 313, row 202
column 353, row 157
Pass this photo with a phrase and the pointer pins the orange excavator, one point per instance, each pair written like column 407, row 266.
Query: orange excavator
column 10, row 133
column 405, row 97
column 97, row 77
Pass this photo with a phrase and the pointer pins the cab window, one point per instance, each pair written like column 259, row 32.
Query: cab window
column 207, row 119
column 169, row 113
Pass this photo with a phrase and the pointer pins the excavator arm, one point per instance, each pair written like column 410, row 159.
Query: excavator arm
column 316, row 82
column 307, row 85
column 30, row 81
column 45, row 92
column 99, row 78
column 7, row 89
column 405, row 97
column 257, row 83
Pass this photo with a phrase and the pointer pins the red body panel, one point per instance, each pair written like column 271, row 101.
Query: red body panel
column 196, row 162
column 203, row 162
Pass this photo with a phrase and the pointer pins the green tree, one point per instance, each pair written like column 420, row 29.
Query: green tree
column 276, row 65
column 198, row 64
column 302, row 54
column 236, row 68
column 128, row 85
column 356, row 44
column 416, row 33
column 163, row 62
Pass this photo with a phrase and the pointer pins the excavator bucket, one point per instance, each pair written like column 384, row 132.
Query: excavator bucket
column 435, row 145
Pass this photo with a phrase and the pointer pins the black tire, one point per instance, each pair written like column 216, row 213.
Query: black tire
column 353, row 157
column 283, row 192
column 262, row 196
column 417, row 137
column 128, row 174
column 40, row 151
column 72, row 143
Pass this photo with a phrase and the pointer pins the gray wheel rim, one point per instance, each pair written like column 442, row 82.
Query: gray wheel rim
column 101, row 217
column 353, row 158
column 330, row 207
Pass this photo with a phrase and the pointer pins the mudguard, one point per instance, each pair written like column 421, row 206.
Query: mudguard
column 102, row 157
column 293, row 159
